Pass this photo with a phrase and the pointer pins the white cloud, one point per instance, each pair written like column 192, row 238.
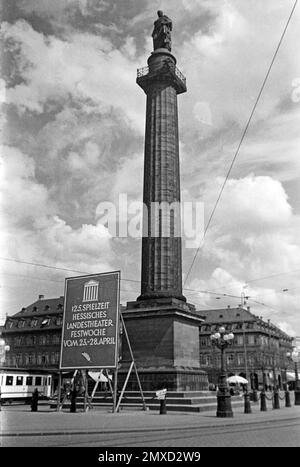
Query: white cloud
column 23, row 198
column 254, row 238
column 85, row 67
column 254, row 204
column 33, row 232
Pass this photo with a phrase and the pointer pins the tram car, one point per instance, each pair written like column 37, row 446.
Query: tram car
column 19, row 385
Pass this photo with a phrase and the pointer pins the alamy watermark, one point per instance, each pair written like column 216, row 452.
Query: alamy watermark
column 158, row 219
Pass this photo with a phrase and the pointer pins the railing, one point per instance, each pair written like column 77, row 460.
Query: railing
column 142, row 71
column 145, row 70
column 180, row 75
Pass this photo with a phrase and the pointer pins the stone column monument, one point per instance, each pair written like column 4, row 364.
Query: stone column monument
column 163, row 328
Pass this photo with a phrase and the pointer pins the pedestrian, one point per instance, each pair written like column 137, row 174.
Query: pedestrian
column 34, row 400
column 73, row 399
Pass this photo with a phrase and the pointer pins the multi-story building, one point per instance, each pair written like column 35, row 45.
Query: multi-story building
column 33, row 336
column 258, row 351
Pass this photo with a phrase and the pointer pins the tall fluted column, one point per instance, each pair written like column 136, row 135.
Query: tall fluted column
column 161, row 245
column 163, row 329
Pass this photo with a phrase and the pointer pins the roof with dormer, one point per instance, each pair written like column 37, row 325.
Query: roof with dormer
column 42, row 314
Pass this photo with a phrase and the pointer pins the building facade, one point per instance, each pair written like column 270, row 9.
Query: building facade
column 33, row 336
column 258, row 351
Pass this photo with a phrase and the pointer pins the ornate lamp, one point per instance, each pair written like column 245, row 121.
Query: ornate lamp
column 222, row 340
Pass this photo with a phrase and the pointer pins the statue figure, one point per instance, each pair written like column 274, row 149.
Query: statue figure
column 162, row 32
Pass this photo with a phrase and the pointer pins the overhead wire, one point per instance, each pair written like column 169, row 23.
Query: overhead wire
column 240, row 142
column 187, row 290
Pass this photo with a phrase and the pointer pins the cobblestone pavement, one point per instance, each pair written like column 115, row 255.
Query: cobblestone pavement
column 21, row 427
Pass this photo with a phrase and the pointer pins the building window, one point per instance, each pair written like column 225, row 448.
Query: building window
column 230, row 359
column 29, row 380
column 43, row 340
column 45, row 359
column 29, row 340
column 58, row 321
column 9, row 380
column 250, row 339
column 45, row 322
column 203, row 341
column 239, row 339
column 18, row 340
column 205, row 360
column 241, row 359
column 19, row 380
column 34, row 322
column 56, row 338
column 19, row 359
column 251, row 359
column 21, row 323
column 10, row 324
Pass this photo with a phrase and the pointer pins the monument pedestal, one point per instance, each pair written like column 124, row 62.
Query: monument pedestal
column 164, row 337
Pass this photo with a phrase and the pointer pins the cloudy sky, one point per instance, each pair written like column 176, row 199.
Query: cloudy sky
column 73, row 133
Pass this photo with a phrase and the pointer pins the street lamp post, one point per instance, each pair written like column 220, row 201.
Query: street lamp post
column 222, row 340
column 275, row 389
column 295, row 356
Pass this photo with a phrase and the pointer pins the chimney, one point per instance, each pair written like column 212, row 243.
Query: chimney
column 41, row 297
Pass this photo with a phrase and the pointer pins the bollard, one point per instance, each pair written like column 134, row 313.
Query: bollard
column 263, row 404
column 163, row 406
column 73, row 400
column 254, row 395
column 287, row 398
column 276, row 399
column 34, row 401
column 247, row 405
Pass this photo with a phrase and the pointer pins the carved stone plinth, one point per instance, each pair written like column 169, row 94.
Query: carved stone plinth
column 165, row 341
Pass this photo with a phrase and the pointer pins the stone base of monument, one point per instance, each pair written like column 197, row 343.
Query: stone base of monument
column 164, row 337
column 173, row 379
column 186, row 401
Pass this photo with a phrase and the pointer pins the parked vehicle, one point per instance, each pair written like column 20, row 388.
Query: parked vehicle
column 19, row 385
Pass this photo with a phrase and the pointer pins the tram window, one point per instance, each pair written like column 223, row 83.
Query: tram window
column 9, row 380
column 29, row 380
column 38, row 381
column 19, row 380
column 49, row 380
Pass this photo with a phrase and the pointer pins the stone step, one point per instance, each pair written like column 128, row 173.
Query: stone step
column 156, row 406
column 184, row 394
column 170, row 400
